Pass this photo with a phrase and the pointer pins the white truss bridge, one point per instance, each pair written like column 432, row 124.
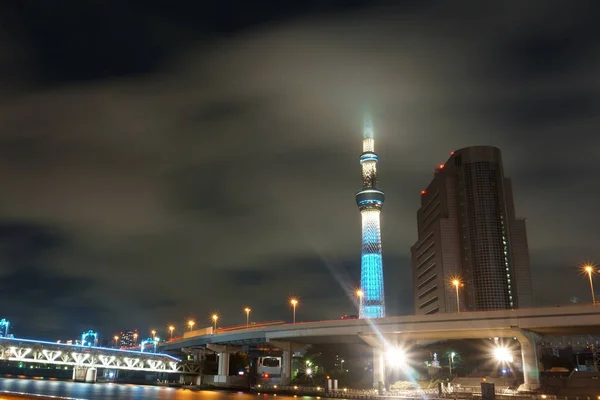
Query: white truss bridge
column 41, row 352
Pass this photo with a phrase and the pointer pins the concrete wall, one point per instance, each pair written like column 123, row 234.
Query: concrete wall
column 226, row 381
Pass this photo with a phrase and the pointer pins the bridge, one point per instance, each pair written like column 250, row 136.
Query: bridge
column 86, row 360
column 526, row 325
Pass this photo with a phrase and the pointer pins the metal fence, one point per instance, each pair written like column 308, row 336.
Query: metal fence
column 458, row 393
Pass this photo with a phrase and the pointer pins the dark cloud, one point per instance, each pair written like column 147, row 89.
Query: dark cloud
column 31, row 292
column 174, row 161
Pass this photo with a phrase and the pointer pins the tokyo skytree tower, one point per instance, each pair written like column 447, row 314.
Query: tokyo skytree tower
column 370, row 201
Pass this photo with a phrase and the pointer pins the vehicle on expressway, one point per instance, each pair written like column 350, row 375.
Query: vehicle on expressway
column 268, row 367
column 349, row 316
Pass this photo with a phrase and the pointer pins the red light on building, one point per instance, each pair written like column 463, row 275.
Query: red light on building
column 451, row 153
column 423, row 191
column 441, row 166
column 265, row 375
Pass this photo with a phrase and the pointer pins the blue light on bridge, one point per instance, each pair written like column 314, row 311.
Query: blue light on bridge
column 89, row 338
column 4, row 327
column 18, row 340
column 154, row 341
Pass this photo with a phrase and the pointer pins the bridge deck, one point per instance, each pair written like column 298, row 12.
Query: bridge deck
column 569, row 320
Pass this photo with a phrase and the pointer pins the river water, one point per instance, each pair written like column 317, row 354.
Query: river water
column 108, row 391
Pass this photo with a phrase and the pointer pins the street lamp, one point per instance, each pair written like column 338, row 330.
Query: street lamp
column 171, row 329
column 215, row 317
column 294, row 303
column 153, row 333
column 589, row 269
column 135, row 336
column 503, row 354
column 360, row 294
column 457, row 283
column 247, row 310
column 451, row 361
column 116, row 341
column 396, row 357
column 191, row 324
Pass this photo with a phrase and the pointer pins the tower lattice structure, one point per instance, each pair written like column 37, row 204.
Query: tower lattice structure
column 370, row 202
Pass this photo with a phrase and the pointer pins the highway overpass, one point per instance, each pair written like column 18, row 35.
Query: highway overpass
column 524, row 324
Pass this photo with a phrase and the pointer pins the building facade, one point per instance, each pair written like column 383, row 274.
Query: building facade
column 128, row 338
column 468, row 231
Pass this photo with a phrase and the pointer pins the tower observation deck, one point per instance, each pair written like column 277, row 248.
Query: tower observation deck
column 370, row 202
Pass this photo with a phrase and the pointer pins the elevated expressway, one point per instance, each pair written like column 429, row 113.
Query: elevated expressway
column 524, row 324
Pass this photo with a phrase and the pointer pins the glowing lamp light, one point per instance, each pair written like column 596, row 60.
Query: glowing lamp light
column 423, row 191
column 308, row 371
column 441, row 166
column 396, row 357
column 502, row 354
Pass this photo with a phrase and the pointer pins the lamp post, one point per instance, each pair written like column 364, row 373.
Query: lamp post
column 247, row 310
column 171, row 329
column 294, row 303
column 215, row 317
column 360, row 294
column 451, row 361
column 116, row 341
column 135, row 336
column 153, row 333
column 456, row 283
column 590, row 270
column 191, row 324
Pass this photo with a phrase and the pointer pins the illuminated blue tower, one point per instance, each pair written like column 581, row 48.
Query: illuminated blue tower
column 370, row 201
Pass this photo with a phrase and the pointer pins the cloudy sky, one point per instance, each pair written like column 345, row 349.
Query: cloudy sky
column 160, row 161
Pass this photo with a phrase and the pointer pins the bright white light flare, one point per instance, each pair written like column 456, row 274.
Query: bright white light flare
column 503, row 354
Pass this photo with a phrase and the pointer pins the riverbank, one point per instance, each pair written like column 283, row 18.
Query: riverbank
column 9, row 395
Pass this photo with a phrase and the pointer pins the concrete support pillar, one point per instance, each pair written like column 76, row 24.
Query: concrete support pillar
column 223, row 351
column 224, row 363
column 286, row 367
column 531, row 371
column 288, row 353
column 378, row 369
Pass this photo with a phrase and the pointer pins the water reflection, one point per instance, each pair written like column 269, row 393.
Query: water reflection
column 107, row 391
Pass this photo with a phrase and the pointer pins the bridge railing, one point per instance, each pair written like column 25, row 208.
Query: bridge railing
column 29, row 351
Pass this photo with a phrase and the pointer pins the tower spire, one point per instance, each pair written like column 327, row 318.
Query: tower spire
column 370, row 202
column 368, row 126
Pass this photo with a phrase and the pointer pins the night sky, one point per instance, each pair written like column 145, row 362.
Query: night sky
column 166, row 160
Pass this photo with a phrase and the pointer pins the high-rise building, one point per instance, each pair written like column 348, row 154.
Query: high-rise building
column 128, row 338
column 370, row 201
column 468, row 232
